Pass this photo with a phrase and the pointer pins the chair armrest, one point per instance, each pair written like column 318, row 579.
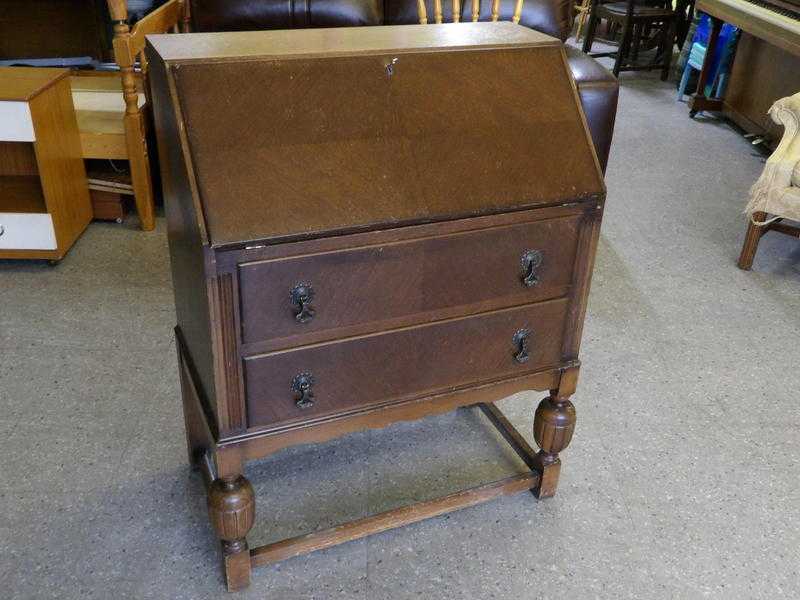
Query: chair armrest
column 786, row 112
column 782, row 170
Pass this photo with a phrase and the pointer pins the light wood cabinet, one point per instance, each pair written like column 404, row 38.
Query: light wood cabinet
column 44, row 195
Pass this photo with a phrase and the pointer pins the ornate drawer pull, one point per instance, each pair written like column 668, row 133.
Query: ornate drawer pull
column 302, row 384
column 531, row 261
column 520, row 341
column 301, row 296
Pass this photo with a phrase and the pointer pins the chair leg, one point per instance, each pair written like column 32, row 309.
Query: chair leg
column 624, row 47
column 667, row 46
column 687, row 70
column 140, row 170
column 637, row 41
column 751, row 239
column 590, row 30
column 584, row 9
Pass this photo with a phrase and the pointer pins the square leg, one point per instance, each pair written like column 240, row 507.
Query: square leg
column 751, row 239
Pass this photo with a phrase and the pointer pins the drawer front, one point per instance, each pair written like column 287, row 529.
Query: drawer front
column 16, row 123
column 27, row 231
column 397, row 284
column 405, row 363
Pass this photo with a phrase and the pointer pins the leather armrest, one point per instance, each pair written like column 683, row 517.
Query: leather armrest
column 599, row 91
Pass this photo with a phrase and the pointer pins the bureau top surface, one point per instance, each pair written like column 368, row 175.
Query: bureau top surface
column 19, row 84
column 288, row 136
column 343, row 41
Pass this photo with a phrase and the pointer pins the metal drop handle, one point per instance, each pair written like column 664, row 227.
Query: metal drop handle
column 531, row 261
column 302, row 384
column 520, row 341
column 2, row 230
column 301, row 296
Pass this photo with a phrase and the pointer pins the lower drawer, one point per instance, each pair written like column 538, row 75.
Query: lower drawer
column 404, row 363
column 27, row 231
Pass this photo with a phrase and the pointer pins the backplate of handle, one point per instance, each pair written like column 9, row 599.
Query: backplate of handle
column 302, row 384
column 521, row 341
column 301, row 296
column 531, row 261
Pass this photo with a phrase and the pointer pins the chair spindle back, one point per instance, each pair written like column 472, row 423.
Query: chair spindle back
column 422, row 11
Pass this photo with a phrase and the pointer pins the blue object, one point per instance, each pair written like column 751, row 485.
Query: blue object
column 721, row 61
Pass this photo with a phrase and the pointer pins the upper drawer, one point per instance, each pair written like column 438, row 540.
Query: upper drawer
column 401, row 283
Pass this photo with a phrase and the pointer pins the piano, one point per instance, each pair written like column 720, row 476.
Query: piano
column 774, row 21
column 767, row 63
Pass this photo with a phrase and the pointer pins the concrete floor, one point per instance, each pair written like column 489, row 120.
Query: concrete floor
column 681, row 481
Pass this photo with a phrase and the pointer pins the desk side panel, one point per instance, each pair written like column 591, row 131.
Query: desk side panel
column 185, row 231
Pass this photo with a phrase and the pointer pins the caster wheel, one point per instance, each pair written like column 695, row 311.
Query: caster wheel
column 54, row 262
column 692, row 114
column 118, row 220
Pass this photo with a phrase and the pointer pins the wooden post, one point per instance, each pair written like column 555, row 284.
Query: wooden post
column 232, row 511
column 437, row 11
column 186, row 17
column 751, row 239
column 517, row 11
column 476, row 10
column 134, row 120
column 553, row 425
column 495, row 10
column 422, row 12
column 456, row 11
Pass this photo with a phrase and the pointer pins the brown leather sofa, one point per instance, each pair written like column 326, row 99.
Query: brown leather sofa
column 598, row 89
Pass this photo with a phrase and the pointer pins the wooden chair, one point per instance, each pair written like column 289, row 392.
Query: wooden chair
column 113, row 125
column 637, row 19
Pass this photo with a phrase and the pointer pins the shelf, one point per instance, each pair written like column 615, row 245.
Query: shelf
column 21, row 194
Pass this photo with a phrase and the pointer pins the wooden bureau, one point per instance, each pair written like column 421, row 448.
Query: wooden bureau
column 369, row 225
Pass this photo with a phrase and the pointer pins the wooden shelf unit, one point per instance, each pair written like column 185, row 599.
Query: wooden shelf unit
column 44, row 195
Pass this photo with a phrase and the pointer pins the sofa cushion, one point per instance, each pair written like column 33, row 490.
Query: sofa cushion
column 244, row 15
column 598, row 90
column 553, row 17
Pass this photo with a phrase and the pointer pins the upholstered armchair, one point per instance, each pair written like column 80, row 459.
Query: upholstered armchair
column 776, row 195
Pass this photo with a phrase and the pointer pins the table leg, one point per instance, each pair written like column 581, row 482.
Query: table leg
column 553, row 425
column 232, row 511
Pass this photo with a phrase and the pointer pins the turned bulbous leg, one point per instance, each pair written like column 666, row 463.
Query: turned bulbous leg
column 553, row 425
column 232, row 510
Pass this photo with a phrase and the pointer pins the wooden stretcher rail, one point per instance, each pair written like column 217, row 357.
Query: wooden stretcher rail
column 510, row 433
column 783, row 228
column 399, row 517
column 391, row 519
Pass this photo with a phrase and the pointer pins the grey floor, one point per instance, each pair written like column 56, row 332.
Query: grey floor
column 681, row 481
